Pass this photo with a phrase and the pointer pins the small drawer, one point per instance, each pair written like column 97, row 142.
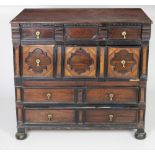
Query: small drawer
column 37, row 33
column 49, row 116
column 111, row 116
column 78, row 33
column 54, row 95
column 125, row 33
column 120, row 95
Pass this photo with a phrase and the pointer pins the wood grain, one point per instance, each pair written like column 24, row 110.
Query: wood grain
column 120, row 95
column 58, row 116
column 119, row 116
column 27, row 71
column 130, row 70
column 58, row 95
column 88, row 72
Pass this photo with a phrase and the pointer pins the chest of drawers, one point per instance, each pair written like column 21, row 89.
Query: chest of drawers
column 80, row 69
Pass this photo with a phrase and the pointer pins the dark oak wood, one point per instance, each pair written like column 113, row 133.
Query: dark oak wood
column 112, row 95
column 50, row 116
column 81, row 69
column 82, row 16
column 111, row 116
column 55, row 95
column 131, row 32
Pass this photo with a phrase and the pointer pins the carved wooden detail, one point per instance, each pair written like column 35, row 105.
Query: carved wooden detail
column 80, row 61
column 38, row 60
column 123, row 62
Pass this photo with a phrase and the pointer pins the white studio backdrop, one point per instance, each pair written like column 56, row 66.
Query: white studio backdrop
column 65, row 139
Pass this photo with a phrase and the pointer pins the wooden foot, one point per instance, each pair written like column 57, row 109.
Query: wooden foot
column 140, row 134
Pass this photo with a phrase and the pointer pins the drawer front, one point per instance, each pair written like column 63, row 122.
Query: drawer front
column 112, row 95
column 49, row 116
column 80, row 62
column 80, row 33
column 38, row 33
column 37, row 60
column 123, row 62
column 125, row 33
column 111, row 116
column 54, row 95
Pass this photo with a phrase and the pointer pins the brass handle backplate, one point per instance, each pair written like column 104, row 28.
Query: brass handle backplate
column 38, row 62
column 111, row 118
column 37, row 34
column 111, row 96
column 50, row 117
column 48, row 96
column 124, row 34
column 123, row 62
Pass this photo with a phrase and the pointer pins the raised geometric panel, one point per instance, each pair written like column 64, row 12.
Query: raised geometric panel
column 37, row 60
column 80, row 62
column 123, row 62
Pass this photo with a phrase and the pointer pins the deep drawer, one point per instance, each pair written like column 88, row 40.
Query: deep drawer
column 49, row 116
column 125, row 33
column 112, row 95
column 52, row 95
column 111, row 116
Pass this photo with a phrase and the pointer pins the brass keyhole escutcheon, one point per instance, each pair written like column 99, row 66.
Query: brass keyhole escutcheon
column 124, row 34
column 111, row 118
column 111, row 96
column 38, row 62
column 50, row 117
column 123, row 62
column 48, row 96
column 37, row 34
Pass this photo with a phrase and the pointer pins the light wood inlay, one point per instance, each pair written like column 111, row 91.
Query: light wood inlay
column 18, row 94
column 102, row 62
column 16, row 55
column 90, row 71
column 123, row 66
column 47, row 70
column 144, row 63
column 59, row 61
column 142, row 94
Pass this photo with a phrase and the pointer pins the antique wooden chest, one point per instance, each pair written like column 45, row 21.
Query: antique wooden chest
column 80, row 69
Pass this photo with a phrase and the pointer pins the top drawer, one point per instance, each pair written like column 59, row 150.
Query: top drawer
column 125, row 32
column 81, row 33
column 38, row 33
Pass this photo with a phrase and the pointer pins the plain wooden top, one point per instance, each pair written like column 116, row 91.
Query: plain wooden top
column 116, row 15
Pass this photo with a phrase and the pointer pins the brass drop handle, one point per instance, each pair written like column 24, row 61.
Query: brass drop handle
column 50, row 117
column 123, row 62
column 111, row 96
column 124, row 34
column 111, row 118
column 48, row 96
column 37, row 34
column 38, row 62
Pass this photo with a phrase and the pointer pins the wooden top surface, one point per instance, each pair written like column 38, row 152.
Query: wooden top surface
column 133, row 15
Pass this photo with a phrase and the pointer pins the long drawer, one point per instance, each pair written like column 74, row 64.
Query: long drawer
column 111, row 116
column 92, row 95
column 114, row 95
column 52, row 95
column 49, row 116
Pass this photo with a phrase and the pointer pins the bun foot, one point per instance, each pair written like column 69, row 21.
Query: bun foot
column 140, row 135
column 21, row 136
